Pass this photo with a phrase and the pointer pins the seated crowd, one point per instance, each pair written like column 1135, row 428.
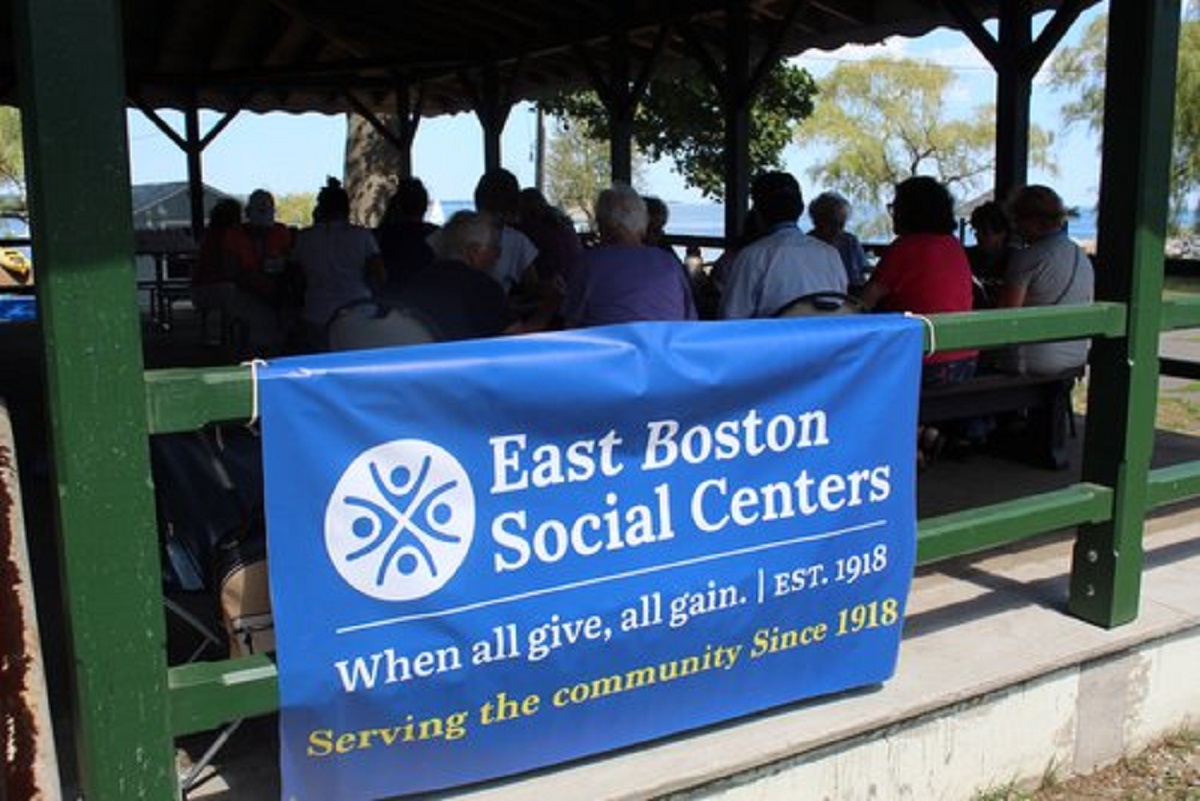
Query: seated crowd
column 516, row 264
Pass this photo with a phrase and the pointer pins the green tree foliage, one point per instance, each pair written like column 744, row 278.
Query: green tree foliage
column 577, row 167
column 680, row 118
column 1080, row 70
column 12, row 154
column 884, row 120
column 295, row 209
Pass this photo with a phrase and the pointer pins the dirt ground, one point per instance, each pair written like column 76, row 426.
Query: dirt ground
column 1168, row 770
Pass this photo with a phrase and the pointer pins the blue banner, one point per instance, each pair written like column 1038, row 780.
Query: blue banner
column 491, row 556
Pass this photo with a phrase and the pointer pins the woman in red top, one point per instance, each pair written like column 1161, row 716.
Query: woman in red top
column 925, row 270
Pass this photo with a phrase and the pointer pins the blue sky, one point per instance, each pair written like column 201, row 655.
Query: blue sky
column 289, row 153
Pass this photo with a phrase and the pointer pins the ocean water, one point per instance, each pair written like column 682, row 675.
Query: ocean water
column 708, row 219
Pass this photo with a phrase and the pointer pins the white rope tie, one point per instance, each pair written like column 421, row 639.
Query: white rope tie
column 254, row 364
column 929, row 325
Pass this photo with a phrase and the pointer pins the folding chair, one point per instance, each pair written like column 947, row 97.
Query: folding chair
column 245, row 601
column 208, row 487
column 197, row 503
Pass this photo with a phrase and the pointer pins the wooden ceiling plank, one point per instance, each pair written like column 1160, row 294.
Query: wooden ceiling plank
column 774, row 45
column 330, row 32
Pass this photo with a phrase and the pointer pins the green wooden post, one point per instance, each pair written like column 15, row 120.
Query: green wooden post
column 1139, row 100
column 70, row 73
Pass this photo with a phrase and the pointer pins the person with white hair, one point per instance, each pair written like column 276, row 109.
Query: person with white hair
column 456, row 294
column 470, row 237
column 624, row 280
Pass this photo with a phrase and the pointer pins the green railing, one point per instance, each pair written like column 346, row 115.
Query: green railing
column 1179, row 482
column 206, row 694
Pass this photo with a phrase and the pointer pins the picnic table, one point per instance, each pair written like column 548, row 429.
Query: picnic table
column 172, row 253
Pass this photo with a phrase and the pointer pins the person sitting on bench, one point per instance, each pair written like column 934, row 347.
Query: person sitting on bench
column 925, row 271
column 1050, row 271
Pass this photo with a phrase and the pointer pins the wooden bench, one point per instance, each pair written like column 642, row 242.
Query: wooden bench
column 1047, row 398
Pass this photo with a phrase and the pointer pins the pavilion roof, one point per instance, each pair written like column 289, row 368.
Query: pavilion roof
column 330, row 55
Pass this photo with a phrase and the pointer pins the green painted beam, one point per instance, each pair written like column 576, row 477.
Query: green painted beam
column 185, row 399
column 986, row 527
column 993, row 327
column 1171, row 484
column 205, row 695
column 1180, row 310
column 70, row 81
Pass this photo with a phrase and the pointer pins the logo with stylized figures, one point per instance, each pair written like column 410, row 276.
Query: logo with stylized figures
column 400, row 522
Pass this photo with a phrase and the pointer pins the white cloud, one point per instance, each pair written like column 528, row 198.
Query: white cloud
column 957, row 56
column 975, row 80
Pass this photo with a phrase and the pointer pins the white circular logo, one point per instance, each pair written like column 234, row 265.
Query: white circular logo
column 400, row 521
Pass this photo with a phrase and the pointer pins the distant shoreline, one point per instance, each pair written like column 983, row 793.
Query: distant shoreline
column 708, row 219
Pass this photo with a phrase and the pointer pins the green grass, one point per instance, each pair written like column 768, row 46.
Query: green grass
column 1006, row 792
column 1178, row 407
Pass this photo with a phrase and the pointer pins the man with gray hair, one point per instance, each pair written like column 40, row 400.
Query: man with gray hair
column 455, row 293
column 829, row 213
column 470, row 237
column 621, row 216
column 622, row 279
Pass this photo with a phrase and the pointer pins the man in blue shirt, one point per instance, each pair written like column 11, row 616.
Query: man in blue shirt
column 785, row 263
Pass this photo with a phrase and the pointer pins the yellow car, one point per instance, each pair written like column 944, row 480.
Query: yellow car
column 16, row 265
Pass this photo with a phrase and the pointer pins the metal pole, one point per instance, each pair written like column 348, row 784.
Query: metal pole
column 737, row 99
column 539, row 174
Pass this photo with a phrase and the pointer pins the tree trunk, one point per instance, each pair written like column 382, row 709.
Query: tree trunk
column 372, row 170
